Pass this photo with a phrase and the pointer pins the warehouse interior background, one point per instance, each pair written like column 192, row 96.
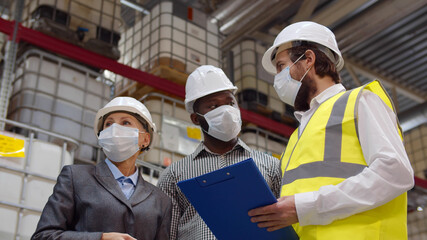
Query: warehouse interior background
column 62, row 60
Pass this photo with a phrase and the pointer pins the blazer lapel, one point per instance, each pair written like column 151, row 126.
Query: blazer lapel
column 106, row 179
column 142, row 191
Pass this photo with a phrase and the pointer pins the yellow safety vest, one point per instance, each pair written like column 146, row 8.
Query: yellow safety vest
column 328, row 152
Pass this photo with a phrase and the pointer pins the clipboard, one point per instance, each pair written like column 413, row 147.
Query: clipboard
column 223, row 198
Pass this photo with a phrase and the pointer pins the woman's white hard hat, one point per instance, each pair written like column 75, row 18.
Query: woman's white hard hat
column 125, row 104
column 307, row 31
column 203, row 81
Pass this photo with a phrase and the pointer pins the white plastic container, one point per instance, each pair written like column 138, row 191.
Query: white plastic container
column 82, row 13
column 264, row 141
column 152, row 180
column 24, row 107
column 61, row 96
column 249, row 74
column 29, row 190
column 175, row 138
column 164, row 38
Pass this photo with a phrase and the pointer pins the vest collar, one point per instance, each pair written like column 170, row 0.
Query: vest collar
column 319, row 99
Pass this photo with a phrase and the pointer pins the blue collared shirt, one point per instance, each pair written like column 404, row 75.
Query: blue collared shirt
column 127, row 184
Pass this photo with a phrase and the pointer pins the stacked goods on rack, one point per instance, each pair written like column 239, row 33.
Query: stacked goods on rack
column 170, row 42
column 256, row 92
column 264, row 141
column 60, row 96
column 27, row 180
column 91, row 24
column 177, row 135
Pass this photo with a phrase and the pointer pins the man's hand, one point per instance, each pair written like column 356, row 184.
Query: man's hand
column 277, row 215
column 116, row 236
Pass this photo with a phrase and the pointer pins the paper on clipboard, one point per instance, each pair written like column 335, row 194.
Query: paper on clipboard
column 223, row 198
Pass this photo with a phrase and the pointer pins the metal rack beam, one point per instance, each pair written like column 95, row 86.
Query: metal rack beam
column 90, row 58
column 420, row 182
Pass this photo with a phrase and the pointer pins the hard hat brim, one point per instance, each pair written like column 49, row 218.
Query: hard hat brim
column 266, row 60
column 268, row 65
column 189, row 103
column 97, row 126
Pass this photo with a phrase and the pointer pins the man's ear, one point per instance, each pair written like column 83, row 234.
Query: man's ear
column 194, row 119
column 310, row 58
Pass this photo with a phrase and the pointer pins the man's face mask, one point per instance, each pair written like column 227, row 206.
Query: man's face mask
column 286, row 87
column 224, row 122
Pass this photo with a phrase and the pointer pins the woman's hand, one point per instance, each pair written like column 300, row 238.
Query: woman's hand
column 116, row 236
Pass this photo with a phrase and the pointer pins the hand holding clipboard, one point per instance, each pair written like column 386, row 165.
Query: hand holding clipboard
column 223, row 198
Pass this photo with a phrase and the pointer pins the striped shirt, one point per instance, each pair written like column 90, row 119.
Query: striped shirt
column 186, row 222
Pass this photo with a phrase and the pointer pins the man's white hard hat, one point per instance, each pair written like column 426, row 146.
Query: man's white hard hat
column 125, row 104
column 203, row 81
column 306, row 31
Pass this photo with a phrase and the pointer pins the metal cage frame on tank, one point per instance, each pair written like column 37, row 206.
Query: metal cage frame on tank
column 176, row 135
column 30, row 178
column 58, row 95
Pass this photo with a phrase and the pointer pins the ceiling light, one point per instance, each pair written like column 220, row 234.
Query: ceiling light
column 135, row 6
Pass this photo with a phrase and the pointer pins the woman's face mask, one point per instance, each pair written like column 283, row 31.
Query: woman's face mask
column 224, row 122
column 118, row 142
column 286, row 87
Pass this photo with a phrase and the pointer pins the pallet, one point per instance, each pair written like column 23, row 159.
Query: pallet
column 268, row 112
column 138, row 90
column 169, row 73
column 256, row 107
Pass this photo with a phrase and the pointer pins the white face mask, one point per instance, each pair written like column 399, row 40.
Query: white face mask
column 224, row 122
column 118, row 142
column 286, row 87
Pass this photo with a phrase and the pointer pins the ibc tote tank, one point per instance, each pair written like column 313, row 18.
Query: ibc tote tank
column 27, row 181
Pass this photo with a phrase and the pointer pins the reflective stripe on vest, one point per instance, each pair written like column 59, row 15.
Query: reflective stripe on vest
column 331, row 166
column 318, row 158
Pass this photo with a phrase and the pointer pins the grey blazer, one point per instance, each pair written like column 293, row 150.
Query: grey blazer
column 87, row 201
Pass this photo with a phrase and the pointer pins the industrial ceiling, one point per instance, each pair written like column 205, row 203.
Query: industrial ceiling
column 379, row 39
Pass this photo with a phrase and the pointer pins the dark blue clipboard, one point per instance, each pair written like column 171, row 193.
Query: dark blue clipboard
column 223, row 198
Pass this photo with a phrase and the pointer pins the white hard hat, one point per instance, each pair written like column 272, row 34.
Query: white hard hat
column 304, row 31
column 126, row 104
column 203, row 81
